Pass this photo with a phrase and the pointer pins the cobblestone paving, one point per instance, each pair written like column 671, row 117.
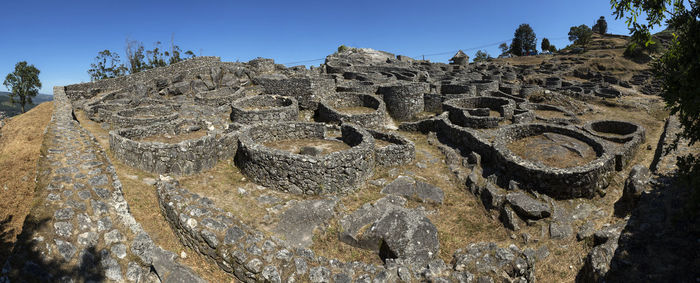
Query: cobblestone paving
column 80, row 228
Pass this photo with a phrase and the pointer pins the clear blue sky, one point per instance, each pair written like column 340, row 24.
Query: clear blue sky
column 61, row 38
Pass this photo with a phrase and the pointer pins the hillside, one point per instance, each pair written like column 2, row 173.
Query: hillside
column 15, row 109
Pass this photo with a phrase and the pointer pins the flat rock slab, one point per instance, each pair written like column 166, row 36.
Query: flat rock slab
column 528, row 207
column 411, row 188
column 297, row 223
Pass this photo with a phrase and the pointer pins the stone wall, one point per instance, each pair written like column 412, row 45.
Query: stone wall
column 336, row 172
column 142, row 116
column 264, row 108
column 186, row 157
column 252, row 256
column 328, row 109
column 404, row 100
column 88, row 90
column 624, row 135
column 473, row 112
column 307, row 90
column 400, row 150
column 562, row 183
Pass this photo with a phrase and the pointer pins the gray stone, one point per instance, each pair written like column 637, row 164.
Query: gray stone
column 297, row 224
column 509, row 218
column 134, row 272
column 99, row 180
column 98, row 207
column 527, row 207
column 113, row 236
column 268, row 199
column 270, row 274
column 89, row 239
column 410, row 188
column 558, row 230
column 112, row 269
column 84, row 222
column 66, row 249
column 63, row 229
column 319, row 274
column 100, row 192
column 585, row 231
column 105, row 223
column 64, row 214
column 233, row 234
column 311, row 151
column 300, row 265
column 492, row 196
column 254, row 265
column 119, row 250
column 84, row 194
column 636, row 183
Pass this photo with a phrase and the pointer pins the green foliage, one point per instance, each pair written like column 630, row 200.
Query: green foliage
column 482, row 56
column 107, row 65
column 546, row 46
column 580, row 35
column 678, row 69
column 600, row 26
column 23, row 83
column 504, row 48
column 524, row 40
column 343, row 48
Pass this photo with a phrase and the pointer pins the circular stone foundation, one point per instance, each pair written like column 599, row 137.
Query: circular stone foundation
column 269, row 155
column 625, row 136
column 405, row 100
column 263, row 108
column 551, row 114
column 392, row 149
column 614, row 130
column 219, row 97
column 363, row 109
column 558, row 161
column 479, row 112
column 143, row 116
column 180, row 148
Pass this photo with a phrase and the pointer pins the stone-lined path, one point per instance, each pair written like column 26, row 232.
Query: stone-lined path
column 80, row 228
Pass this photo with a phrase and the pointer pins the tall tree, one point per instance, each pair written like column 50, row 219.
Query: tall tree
column 504, row 47
column 135, row 54
column 600, row 26
column 545, row 46
column 481, row 56
column 107, row 65
column 23, row 83
column 580, row 35
column 524, row 41
column 678, row 70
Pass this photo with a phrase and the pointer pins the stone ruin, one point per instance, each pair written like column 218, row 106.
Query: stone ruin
column 356, row 111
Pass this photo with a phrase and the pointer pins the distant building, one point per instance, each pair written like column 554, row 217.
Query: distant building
column 460, row 59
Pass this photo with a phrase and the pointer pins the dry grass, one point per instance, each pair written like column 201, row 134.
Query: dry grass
column 20, row 146
column 295, row 145
column 548, row 114
column 551, row 153
column 143, row 204
column 356, row 110
column 164, row 138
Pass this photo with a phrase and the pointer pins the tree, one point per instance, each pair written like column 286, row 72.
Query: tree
column 678, row 70
column 107, row 65
column 524, row 41
column 134, row 53
column 601, row 26
column 504, row 48
column 156, row 57
column 23, row 83
column 481, row 56
column 580, row 35
column 546, row 46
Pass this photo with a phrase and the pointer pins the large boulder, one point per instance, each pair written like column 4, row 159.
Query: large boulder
column 391, row 230
column 410, row 188
column 528, row 207
column 637, row 182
